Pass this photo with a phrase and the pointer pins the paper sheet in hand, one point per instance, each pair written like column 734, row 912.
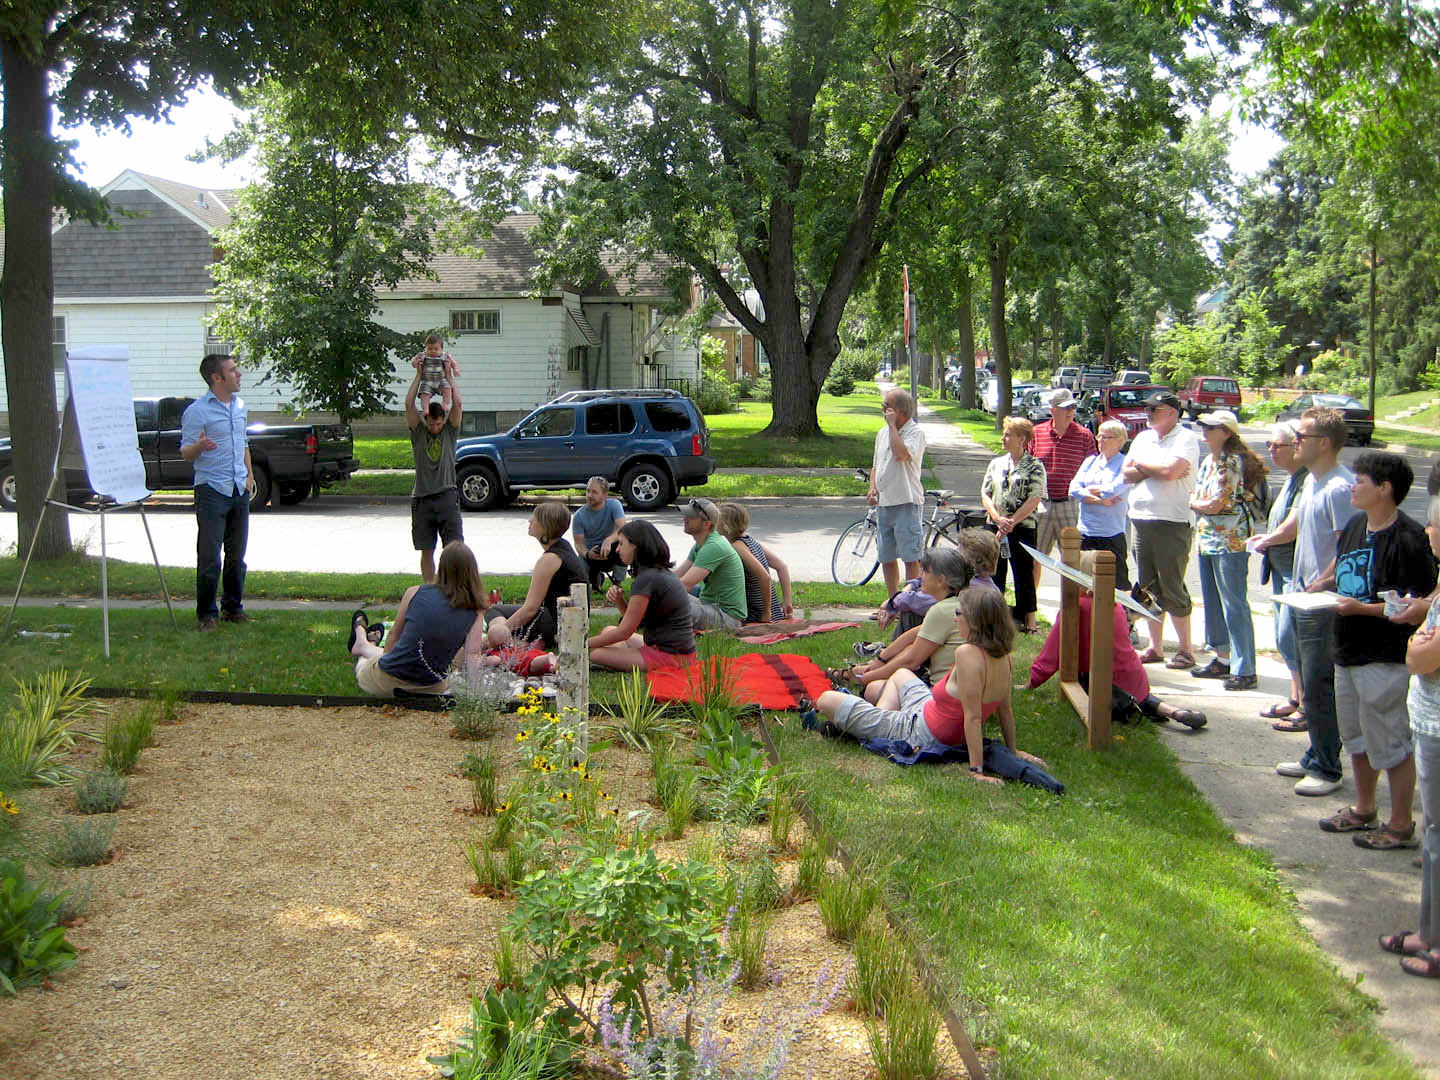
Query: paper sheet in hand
column 1309, row 601
column 98, row 378
column 1085, row 581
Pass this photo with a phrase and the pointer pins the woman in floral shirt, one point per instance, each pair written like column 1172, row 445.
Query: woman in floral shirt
column 1013, row 486
column 1226, row 505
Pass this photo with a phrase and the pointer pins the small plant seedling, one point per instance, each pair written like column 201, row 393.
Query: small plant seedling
column 83, row 843
column 100, row 792
column 125, row 738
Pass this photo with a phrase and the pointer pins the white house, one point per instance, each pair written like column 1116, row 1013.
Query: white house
column 146, row 284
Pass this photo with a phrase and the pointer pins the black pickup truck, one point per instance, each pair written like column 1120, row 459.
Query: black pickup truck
column 291, row 461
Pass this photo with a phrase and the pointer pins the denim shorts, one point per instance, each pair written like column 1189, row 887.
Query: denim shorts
column 859, row 718
column 901, row 534
column 1370, row 705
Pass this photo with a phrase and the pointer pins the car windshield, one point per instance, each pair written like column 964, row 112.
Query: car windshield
column 1337, row 401
column 1126, row 399
column 1219, row 386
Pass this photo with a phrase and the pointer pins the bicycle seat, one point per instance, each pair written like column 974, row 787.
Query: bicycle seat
column 940, row 495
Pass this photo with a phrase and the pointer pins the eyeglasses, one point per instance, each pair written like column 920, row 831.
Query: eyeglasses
column 1301, row 436
column 1276, row 445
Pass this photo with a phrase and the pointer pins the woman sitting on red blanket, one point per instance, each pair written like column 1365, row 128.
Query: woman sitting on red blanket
column 658, row 607
column 1129, row 677
column 954, row 712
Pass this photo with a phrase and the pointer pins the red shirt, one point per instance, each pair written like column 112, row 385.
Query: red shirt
column 1061, row 457
column 1129, row 673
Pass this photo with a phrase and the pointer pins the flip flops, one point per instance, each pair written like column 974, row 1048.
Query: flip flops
column 1298, row 723
column 1395, row 943
column 1281, row 709
column 359, row 619
column 1181, row 661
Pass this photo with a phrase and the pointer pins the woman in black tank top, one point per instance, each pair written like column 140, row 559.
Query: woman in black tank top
column 555, row 571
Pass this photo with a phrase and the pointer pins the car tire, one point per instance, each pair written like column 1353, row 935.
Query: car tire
column 262, row 489
column 479, row 488
column 7, row 490
column 646, row 487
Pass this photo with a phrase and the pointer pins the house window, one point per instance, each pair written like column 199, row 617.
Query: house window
column 57, row 342
column 574, row 358
column 475, row 321
column 213, row 342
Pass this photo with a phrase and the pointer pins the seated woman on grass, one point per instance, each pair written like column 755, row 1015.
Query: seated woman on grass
column 763, row 603
column 953, row 713
column 558, row 568
column 927, row 650
column 658, row 608
column 1129, row 677
column 433, row 624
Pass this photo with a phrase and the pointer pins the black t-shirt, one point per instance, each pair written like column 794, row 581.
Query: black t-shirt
column 666, row 623
column 1366, row 565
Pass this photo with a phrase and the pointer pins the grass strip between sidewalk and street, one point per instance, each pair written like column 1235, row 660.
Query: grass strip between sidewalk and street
column 1118, row 930
column 720, row 486
column 1421, row 440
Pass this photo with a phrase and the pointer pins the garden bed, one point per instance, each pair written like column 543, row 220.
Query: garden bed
column 288, row 897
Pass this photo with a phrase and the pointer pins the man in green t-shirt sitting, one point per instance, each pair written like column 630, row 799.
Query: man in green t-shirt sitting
column 713, row 568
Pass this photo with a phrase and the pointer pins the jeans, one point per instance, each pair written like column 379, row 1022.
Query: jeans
column 1284, row 624
column 1224, row 578
column 222, row 521
column 1315, row 640
column 1427, row 773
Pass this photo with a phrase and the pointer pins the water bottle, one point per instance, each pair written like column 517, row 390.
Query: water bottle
column 1004, row 547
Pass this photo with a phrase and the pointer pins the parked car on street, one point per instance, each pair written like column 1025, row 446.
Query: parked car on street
column 1206, row 392
column 1359, row 420
column 290, row 461
column 1035, row 405
column 1064, row 376
column 652, row 443
column 1133, row 377
column 1125, row 404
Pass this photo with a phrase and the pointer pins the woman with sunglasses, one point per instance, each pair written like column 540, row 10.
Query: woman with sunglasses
column 1100, row 489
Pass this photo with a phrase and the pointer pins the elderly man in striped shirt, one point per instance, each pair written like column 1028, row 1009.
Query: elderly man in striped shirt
column 1062, row 447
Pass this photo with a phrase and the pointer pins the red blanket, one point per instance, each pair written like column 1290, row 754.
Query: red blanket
column 770, row 680
column 760, row 633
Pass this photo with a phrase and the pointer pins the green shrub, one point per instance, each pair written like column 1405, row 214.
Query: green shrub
column 906, row 1048
column 83, row 843
column 810, row 872
column 32, row 943
column 760, row 887
column 882, row 971
column 100, row 792
column 39, row 729
column 1266, row 411
column 761, row 390
column 748, row 930
column 125, row 738
column 845, row 903
column 848, row 369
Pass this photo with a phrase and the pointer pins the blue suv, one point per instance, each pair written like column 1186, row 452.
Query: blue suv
column 651, row 443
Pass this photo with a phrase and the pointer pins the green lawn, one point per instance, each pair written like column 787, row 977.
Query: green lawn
column 1387, row 406
column 1118, row 931
column 720, row 486
column 1405, row 437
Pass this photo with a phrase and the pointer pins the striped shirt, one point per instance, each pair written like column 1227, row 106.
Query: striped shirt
column 1061, row 457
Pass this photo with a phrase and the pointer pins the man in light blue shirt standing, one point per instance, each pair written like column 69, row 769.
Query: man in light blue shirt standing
column 212, row 438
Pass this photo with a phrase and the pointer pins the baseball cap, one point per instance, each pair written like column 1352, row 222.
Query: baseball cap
column 1062, row 398
column 1221, row 418
column 1163, row 397
column 701, row 508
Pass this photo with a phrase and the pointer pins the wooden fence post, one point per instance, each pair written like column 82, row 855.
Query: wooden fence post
column 1069, row 610
column 572, row 682
column 1102, row 651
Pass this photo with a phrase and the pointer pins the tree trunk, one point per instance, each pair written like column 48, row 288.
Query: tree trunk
column 966, row 327
column 27, row 293
column 1057, row 327
column 1109, row 342
column 1035, row 329
column 999, row 259
column 1146, row 340
column 795, row 377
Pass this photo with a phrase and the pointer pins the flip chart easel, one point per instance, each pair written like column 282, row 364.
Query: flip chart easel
column 97, row 433
column 1093, row 707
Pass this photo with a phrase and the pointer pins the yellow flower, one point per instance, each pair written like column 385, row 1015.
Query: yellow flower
column 613, row 811
column 522, row 735
column 578, row 768
column 503, row 808
column 8, row 806
column 547, row 767
column 539, row 762
column 224, row 671
column 564, row 796
column 604, row 795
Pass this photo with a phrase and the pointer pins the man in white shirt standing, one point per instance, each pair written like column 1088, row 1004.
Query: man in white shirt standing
column 1161, row 465
column 896, row 489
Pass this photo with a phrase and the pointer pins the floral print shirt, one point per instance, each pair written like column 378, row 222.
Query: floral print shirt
column 1226, row 529
column 1010, row 484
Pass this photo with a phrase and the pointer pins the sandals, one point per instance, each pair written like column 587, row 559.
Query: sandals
column 1348, row 819
column 1150, row 656
column 1298, row 723
column 1181, row 661
column 841, row 677
column 1281, row 709
column 1191, row 718
column 1395, row 943
column 1424, row 965
column 1387, row 839
column 359, row 625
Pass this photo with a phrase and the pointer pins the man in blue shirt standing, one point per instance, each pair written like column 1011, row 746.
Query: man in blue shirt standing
column 212, row 438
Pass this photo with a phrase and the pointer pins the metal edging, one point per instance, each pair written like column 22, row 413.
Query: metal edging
column 427, row 703
column 923, row 967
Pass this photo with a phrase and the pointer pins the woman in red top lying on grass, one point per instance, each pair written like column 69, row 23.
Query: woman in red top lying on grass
column 954, row 712
column 1129, row 676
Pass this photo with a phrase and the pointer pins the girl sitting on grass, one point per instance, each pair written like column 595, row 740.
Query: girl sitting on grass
column 654, row 630
column 953, row 714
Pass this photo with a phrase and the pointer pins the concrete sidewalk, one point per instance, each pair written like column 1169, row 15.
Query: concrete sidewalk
column 1348, row 896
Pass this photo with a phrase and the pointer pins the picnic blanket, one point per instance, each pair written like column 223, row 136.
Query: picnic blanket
column 999, row 760
column 770, row 680
column 771, row 632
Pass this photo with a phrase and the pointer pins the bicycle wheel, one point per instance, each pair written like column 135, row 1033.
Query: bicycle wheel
column 856, row 556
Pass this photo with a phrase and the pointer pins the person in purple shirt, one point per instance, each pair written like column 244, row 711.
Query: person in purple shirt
column 212, row 438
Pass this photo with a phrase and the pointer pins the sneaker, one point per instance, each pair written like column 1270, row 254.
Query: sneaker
column 1348, row 819
column 1314, row 785
column 1216, row 669
column 234, row 616
column 1241, row 682
column 867, row 650
column 208, row 624
column 1290, row 768
column 1191, row 718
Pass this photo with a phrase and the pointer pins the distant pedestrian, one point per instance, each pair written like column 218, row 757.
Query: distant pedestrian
column 1314, row 526
column 1227, row 502
column 1011, row 491
column 1161, row 466
column 1277, row 564
column 213, row 439
column 1101, row 496
column 1062, row 446
column 896, row 489
column 435, row 498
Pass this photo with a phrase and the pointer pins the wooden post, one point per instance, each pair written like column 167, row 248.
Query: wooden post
column 1102, row 651
column 572, row 682
column 1069, row 610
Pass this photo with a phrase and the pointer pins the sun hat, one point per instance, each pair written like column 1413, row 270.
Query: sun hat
column 1221, row 418
column 1062, row 398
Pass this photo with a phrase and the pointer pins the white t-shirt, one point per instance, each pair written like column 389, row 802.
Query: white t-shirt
column 1321, row 512
column 1164, row 500
column 898, row 482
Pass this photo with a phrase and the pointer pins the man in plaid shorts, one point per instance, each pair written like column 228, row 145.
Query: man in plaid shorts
column 1062, row 447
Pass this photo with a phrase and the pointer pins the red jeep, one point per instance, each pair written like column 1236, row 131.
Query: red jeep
column 1125, row 404
column 1206, row 392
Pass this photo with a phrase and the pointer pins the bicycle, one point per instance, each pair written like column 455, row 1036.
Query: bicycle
column 857, row 553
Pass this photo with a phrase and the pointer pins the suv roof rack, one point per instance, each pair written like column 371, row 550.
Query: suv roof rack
column 591, row 395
